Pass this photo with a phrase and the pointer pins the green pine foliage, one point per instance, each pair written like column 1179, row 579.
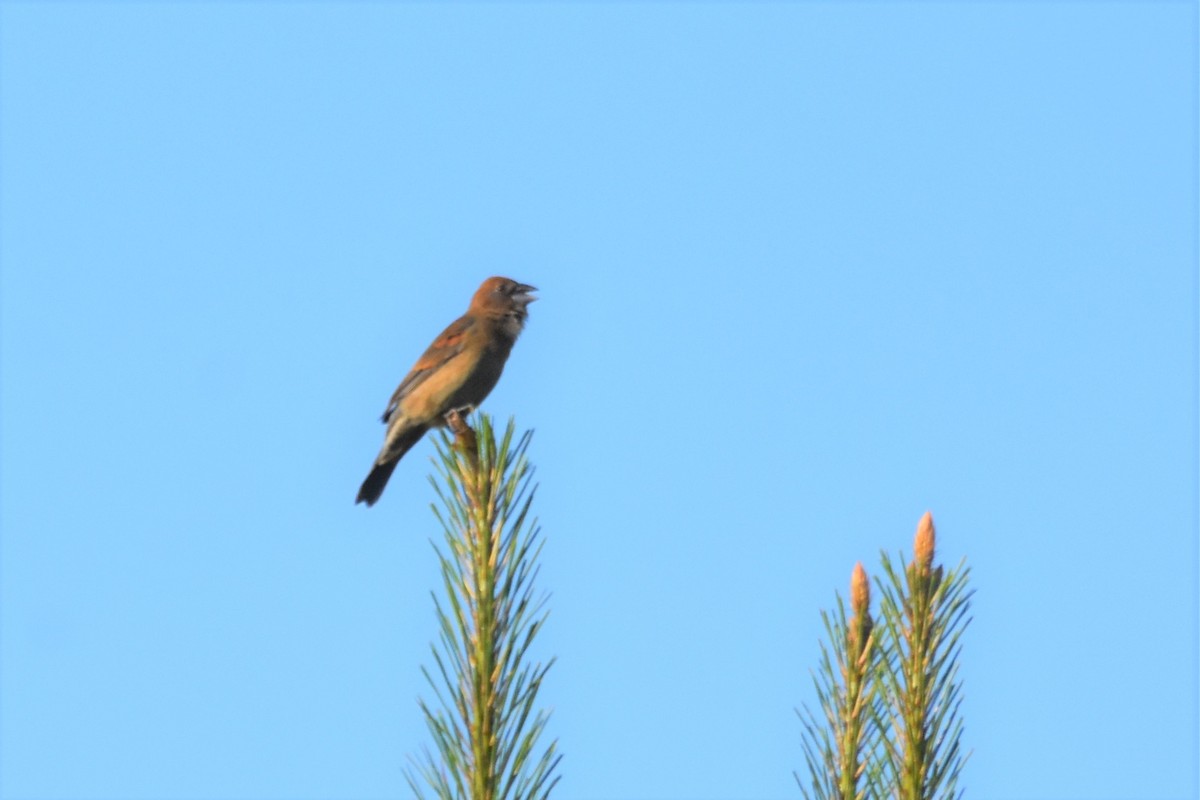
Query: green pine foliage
column 924, row 609
column 485, row 723
column 889, row 693
column 839, row 744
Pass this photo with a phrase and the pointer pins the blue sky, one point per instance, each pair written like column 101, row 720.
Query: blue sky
column 807, row 270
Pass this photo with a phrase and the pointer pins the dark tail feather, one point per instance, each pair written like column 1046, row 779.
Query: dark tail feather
column 393, row 451
column 372, row 487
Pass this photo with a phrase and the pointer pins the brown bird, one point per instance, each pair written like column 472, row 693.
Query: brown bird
column 457, row 372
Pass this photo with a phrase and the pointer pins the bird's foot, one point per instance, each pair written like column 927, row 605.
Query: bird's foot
column 464, row 437
column 460, row 413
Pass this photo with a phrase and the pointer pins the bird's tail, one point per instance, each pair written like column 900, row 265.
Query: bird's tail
column 393, row 450
column 372, row 487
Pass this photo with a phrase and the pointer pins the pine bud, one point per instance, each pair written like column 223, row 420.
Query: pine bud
column 924, row 542
column 860, row 590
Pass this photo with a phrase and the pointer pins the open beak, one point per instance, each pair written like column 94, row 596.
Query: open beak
column 522, row 293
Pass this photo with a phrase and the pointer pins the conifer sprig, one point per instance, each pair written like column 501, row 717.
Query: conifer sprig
column 485, row 723
column 888, row 690
column 924, row 610
column 838, row 750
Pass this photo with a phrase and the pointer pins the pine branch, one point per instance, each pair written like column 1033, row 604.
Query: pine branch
column 924, row 611
column 485, row 724
column 837, row 750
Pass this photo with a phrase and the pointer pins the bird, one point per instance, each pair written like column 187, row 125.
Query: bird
column 456, row 373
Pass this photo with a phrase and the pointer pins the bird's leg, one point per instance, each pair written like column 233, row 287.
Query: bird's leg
column 464, row 437
column 462, row 411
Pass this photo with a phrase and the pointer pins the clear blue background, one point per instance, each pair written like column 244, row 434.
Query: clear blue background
column 807, row 270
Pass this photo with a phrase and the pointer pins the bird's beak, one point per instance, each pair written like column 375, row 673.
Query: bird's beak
column 522, row 293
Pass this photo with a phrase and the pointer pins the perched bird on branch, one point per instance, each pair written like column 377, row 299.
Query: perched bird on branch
column 456, row 373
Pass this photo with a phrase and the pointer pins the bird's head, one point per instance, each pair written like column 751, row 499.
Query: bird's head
column 503, row 296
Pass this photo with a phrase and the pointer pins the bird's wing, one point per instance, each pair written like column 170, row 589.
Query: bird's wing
column 445, row 347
